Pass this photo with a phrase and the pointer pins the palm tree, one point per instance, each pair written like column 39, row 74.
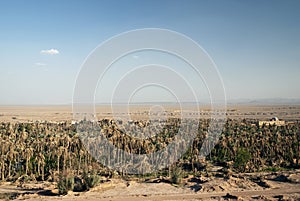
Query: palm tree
column 28, row 154
column 11, row 157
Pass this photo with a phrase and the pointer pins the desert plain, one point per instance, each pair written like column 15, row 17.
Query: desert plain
column 213, row 183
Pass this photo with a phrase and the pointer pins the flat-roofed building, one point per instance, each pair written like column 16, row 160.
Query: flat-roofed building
column 273, row 121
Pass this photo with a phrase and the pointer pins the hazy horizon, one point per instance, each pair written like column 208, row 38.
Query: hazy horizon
column 237, row 102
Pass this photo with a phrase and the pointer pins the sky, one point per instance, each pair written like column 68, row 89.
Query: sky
column 43, row 44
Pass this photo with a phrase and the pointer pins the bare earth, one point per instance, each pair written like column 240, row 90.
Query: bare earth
column 237, row 187
column 139, row 112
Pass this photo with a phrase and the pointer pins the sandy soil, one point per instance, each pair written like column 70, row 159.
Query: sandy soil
column 254, row 186
column 64, row 113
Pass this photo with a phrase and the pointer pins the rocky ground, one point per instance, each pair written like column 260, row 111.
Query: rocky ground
column 283, row 185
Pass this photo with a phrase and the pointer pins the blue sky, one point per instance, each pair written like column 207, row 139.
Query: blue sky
column 255, row 44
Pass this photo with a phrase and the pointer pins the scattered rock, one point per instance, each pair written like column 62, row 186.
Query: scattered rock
column 199, row 180
column 281, row 178
column 294, row 178
column 263, row 183
column 196, row 187
column 47, row 193
column 259, row 197
column 281, row 197
column 230, row 197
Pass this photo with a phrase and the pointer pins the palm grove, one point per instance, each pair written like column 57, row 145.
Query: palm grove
column 45, row 150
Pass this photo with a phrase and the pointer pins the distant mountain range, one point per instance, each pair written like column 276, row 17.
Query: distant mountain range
column 266, row 101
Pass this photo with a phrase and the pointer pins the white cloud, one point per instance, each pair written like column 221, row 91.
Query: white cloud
column 40, row 64
column 51, row 51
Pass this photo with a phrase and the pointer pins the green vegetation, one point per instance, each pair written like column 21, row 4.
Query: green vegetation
column 65, row 183
column 45, row 151
column 241, row 159
column 91, row 180
column 68, row 182
column 176, row 175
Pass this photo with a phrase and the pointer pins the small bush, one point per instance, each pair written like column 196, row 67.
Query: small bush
column 91, row 180
column 241, row 159
column 176, row 175
column 65, row 184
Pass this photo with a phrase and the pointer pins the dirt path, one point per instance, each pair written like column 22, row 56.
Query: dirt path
column 272, row 192
column 248, row 186
column 285, row 190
